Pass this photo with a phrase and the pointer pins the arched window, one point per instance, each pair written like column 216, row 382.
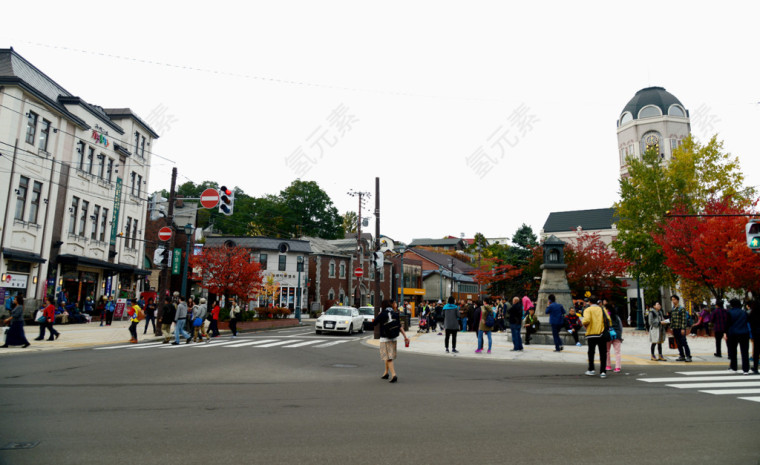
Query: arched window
column 626, row 117
column 676, row 110
column 331, row 269
column 331, row 295
column 651, row 139
column 650, row 111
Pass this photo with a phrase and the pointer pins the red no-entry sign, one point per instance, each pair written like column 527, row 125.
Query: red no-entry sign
column 165, row 233
column 210, row 198
column 358, row 272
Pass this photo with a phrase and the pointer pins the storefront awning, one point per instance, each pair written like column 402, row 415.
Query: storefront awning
column 116, row 267
column 22, row 256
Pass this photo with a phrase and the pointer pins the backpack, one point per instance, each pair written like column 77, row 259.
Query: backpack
column 689, row 319
column 392, row 327
column 490, row 321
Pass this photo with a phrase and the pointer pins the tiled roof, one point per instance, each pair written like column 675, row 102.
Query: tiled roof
column 259, row 243
column 600, row 218
column 442, row 259
column 435, row 242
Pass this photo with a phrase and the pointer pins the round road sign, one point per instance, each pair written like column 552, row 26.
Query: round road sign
column 165, row 233
column 210, row 198
column 358, row 272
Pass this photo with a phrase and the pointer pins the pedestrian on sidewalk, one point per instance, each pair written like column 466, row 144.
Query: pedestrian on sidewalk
column 679, row 326
column 594, row 321
column 213, row 327
column 199, row 321
column 110, row 307
column 556, row 314
column 720, row 324
column 754, row 326
column 101, row 309
column 657, row 331
column 134, row 319
column 150, row 314
column 737, row 335
column 167, row 318
column 179, row 322
column 189, row 320
column 463, row 314
column 234, row 316
column 15, row 335
column 486, row 323
column 515, row 316
column 532, row 325
column 390, row 328
column 617, row 341
column 49, row 313
column 451, row 324
column 573, row 325
column 439, row 318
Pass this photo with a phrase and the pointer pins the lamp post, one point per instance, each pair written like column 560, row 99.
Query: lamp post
column 479, row 249
column 440, row 283
column 640, row 312
column 451, row 265
column 189, row 228
column 402, row 250
column 299, row 266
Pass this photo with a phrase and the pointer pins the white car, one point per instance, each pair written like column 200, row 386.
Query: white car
column 340, row 319
column 368, row 313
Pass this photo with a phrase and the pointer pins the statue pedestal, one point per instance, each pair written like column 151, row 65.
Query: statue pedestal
column 553, row 281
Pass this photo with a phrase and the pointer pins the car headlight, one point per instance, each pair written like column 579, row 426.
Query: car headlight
column 344, row 322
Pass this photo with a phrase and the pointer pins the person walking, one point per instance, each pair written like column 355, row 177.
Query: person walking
column 485, row 326
column 737, row 335
column 617, row 341
column 167, row 318
column 150, row 315
column 15, row 335
column 234, row 316
column 754, row 326
column 463, row 314
column 390, row 328
column 110, row 307
column 515, row 316
column 101, row 309
column 199, row 314
column 451, row 324
column 679, row 326
column 594, row 318
column 532, row 325
column 134, row 319
column 213, row 327
column 657, row 332
column 720, row 323
column 49, row 313
column 556, row 314
column 573, row 325
column 179, row 322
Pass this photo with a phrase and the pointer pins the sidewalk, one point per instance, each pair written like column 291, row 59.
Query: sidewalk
column 634, row 350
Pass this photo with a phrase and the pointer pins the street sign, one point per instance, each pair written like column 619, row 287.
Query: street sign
column 176, row 261
column 165, row 233
column 210, row 198
column 359, row 272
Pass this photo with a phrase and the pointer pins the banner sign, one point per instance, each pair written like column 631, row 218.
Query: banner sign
column 177, row 261
column 121, row 304
column 116, row 206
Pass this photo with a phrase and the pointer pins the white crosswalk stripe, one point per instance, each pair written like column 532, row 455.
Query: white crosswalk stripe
column 721, row 382
column 305, row 343
column 284, row 342
column 250, row 343
column 330, row 344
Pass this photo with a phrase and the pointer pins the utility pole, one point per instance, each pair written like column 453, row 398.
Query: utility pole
column 377, row 248
column 163, row 286
column 359, row 249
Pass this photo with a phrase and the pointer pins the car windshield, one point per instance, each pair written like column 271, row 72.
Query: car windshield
column 339, row 312
column 367, row 311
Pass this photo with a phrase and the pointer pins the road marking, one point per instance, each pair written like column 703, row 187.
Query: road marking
column 278, row 343
column 701, row 373
column 732, row 391
column 260, row 341
column 145, row 346
column 329, row 344
column 753, row 399
column 696, row 378
column 715, row 385
column 216, row 344
column 305, row 343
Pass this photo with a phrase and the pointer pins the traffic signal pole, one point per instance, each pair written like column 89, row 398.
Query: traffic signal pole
column 163, row 285
column 377, row 248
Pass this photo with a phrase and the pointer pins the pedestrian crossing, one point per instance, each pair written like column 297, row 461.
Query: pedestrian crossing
column 715, row 382
column 280, row 342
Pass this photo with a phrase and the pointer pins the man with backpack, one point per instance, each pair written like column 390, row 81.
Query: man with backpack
column 390, row 328
column 679, row 325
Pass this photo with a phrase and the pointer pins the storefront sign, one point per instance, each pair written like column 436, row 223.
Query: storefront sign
column 116, row 205
column 16, row 281
column 177, row 261
column 118, row 312
column 108, row 285
column 98, row 137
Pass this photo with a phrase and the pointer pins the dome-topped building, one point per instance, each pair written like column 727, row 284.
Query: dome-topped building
column 652, row 118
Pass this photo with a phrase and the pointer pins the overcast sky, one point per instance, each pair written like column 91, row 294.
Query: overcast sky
column 341, row 92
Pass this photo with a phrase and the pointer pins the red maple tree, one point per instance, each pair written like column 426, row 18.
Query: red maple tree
column 493, row 270
column 228, row 271
column 592, row 265
column 711, row 250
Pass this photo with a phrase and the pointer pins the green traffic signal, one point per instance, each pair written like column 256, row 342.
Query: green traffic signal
column 754, row 243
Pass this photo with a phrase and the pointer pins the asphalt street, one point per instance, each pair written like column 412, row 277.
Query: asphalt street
column 281, row 397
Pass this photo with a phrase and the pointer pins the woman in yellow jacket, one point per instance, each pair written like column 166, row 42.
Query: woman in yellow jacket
column 593, row 320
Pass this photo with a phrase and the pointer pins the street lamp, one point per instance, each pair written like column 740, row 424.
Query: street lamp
column 299, row 266
column 402, row 250
column 189, row 228
column 451, row 265
column 640, row 313
column 440, row 283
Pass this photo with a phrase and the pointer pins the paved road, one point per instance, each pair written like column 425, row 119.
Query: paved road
column 277, row 402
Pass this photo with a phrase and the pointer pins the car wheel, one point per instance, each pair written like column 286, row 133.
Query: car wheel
column 319, row 332
column 351, row 329
column 361, row 330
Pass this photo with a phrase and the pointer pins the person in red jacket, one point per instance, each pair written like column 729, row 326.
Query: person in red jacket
column 49, row 313
column 213, row 328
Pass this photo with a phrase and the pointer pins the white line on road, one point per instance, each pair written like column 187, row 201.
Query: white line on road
column 732, row 391
column 753, row 399
column 123, row 346
column 715, row 385
column 216, row 344
column 696, row 378
column 329, row 344
column 702, row 373
column 260, row 341
column 150, row 345
column 278, row 343
column 306, row 343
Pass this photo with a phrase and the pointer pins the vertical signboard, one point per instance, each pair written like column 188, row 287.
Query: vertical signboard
column 116, row 207
column 177, row 261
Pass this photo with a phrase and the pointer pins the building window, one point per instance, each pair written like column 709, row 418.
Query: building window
column 103, row 219
column 630, row 150
column 134, row 179
column 134, row 233
column 94, row 218
column 139, row 184
column 137, row 143
column 90, row 159
column 80, row 153
column 263, row 261
column 342, row 270
column 342, row 297
column 331, row 269
column 127, row 230
column 73, row 216
column 109, row 170
column 650, row 111
column 34, row 207
column 626, row 118
column 31, row 127
column 101, row 165
column 675, row 110
column 142, row 146
column 282, row 262
column 622, row 156
column 44, row 134
column 23, row 186
column 331, row 295
column 83, row 217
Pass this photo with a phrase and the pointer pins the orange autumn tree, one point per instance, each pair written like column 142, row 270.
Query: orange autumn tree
column 593, row 266
column 228, row 271
column 711, row 250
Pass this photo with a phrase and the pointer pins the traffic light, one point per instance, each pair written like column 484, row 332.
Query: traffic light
column 377, row 259
column 753, row 236
column 226, row 200
column 161, row 256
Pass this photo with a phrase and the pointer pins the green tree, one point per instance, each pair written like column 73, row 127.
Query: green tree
column 350, row 222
